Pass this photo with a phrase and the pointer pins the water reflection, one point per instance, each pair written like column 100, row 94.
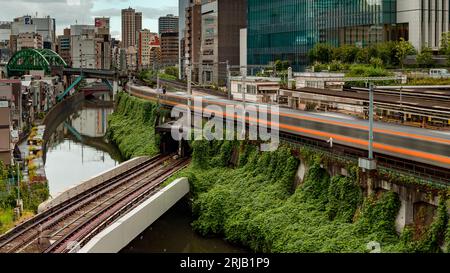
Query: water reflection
column 77, row 149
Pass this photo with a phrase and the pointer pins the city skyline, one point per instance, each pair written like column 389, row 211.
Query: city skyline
column 70, row 12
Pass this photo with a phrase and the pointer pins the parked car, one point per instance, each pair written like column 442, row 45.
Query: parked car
column 439, row 73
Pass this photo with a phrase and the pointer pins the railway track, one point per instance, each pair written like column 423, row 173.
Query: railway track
column 84, row 216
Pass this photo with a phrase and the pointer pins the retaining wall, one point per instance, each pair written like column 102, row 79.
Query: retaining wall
column 117, row 236
column 90, row 183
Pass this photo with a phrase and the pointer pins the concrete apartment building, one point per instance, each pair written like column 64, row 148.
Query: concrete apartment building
column 287, row 31
column 5, row 36
column 193, row 37
column 90, row 45
column 103, row 43
column 29, row 40
column 131, row 25
column 222, row 21
column 5, row 133
column 11, row 117
column 169, row 49
column 83, row 47
column 148, row 49
column 64, row 46
column 168, row 23
column 182, row 6
column 45, row 27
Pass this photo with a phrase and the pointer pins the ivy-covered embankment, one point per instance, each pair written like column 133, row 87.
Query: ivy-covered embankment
column 254, row 203
column 132, row 127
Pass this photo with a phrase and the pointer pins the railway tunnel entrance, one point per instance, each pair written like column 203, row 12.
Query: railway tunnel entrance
column 168, row 144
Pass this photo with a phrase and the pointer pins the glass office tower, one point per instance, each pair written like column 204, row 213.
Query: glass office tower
column 288, row 29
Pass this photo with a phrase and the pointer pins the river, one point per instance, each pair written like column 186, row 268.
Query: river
column 77, row 150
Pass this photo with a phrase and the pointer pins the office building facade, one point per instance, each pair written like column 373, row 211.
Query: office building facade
column 193, row 37
column 169, row 49
column 284, row 30
column 222, row 21
column 131, row 25
column 45, row 27
column 64, row 46
column 182, row 6
column 168, row 23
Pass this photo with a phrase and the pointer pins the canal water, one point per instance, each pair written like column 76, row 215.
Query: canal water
column 77, row 150
column 173, row 233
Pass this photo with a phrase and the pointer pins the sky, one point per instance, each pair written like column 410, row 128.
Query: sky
column 68, row 12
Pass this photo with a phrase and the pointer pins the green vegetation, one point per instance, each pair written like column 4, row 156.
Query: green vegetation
column 171, row 71
column 149, row 76
column 425, row 58
column 254, row 204
column 132, row 127
column 251, row 200
column 388, row 54
column 32, row 195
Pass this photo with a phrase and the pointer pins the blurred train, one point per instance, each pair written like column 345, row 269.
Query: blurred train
column 408, row 146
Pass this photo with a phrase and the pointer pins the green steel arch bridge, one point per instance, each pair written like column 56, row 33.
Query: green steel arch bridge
column 26, row 60
column 30, row 59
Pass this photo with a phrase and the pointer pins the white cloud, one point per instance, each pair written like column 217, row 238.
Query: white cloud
column 67, row 12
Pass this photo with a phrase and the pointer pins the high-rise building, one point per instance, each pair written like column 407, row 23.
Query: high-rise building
column 192, row 37
column 45, row 27
column 149, row 49
column 182, row 6
column 169, row 48
column 5, row 37
column 5, row 33
column 131, row 25
column 168, row 23
column 222, row 21
column 83, row 46
column 103, row 43
column 138, row 20
column 64, row 46
column 288, row 30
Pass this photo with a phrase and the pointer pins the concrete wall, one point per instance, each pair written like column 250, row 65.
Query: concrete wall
column 425, row 28
column 86, row 185
column 126, row 229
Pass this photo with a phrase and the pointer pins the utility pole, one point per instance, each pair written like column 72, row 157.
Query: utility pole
column 371, row 120
column 228, row 80
column 189, row 79
column 244, row 89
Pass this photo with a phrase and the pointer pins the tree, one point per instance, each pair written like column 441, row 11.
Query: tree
column 282, row 65
column 321, row 53
column 404, row 48
column 425, row 58
column 171, row 70
column 376, row 62
column 445, row 44
column 346, row 53
column 387, row 52
column 363, row 56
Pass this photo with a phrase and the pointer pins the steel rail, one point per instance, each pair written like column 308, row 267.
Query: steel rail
column 117, row 206
column 71, row 204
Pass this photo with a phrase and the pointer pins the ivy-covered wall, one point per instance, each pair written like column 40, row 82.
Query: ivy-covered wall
column 132, row 127
column 253, row 204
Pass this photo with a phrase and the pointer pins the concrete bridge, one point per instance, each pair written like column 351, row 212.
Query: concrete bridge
column 102, row 214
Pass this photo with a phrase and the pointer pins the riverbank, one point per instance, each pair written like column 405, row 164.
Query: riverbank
column 252, row 201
